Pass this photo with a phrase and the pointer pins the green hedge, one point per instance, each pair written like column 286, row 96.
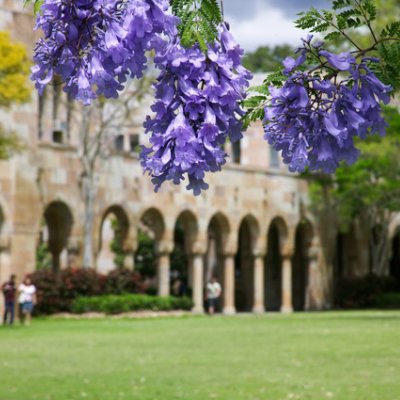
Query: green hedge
column 363, row 292
column 116, row 304
column 57, row 290
column 388, row 300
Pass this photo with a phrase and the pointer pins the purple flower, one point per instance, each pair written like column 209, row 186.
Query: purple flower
column 197, row 108
column 342, row 61
column 290, row 63
column 104, row 40
column 313, row 120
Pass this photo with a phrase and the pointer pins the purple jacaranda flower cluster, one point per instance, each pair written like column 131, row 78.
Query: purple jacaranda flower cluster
column 314, row 118
column 197, row 108
column 95, row 45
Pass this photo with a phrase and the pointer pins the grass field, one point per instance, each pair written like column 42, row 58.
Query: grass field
column 346, row 356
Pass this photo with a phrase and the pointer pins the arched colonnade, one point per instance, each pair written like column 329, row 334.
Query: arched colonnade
column 261, row 266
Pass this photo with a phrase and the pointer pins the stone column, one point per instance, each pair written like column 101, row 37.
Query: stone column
column 287, row 306
column 129, row 260
column 163, row 266
column 314, row 296
column 130, row 248
column 229, row 284
column 258, row 306
column 197, row 262
column 74, row 252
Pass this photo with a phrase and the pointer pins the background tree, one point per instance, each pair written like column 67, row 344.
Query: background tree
column 267, row 59
column 369, row 189
column 116, row 245
column 145, row 257
column 14, row 72
column 99, row 124
column 14, row 87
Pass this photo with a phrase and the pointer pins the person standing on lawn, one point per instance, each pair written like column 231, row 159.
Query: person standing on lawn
column 213, row 293
column 9, row 291
column 27, row 293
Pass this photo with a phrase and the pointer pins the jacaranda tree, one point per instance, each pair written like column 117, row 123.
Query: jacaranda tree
column 312, row 109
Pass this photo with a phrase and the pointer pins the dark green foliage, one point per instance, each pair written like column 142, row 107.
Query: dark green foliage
column 388, row 301
column 127, row 303
column 363, row 292
column 145, row 257
column 116, row 245
column 391, row 30
column 179, row 259
column 388, row 70
column 199, row 21
column 43, row 257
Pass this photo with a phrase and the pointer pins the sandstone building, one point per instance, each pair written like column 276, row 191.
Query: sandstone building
column 253, row 227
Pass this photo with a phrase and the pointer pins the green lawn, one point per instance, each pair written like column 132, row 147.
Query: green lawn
column 346, row 356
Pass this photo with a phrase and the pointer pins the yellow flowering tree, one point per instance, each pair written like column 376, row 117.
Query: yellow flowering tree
column 14, row 86
column 14, row 72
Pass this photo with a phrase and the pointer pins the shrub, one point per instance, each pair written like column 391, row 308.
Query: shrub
column 48, row 286
column 57, row 290
column 123, row 280
column 363, row 292
column 388, row 300
column 116, row 304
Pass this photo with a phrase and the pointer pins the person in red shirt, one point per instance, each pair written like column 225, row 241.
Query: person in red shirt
column 9, row 291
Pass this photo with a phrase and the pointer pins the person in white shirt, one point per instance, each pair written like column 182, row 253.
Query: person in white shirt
column 213, row 292
column 27, row 296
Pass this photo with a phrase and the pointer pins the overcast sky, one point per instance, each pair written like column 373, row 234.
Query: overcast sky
column 266, row 22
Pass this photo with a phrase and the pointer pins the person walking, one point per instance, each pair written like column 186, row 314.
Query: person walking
column 213, row 293
column 9, row 291
column 27, row 293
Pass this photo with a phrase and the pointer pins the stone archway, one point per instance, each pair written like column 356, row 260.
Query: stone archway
column 300, row 264
column 394, row 269
column 59, row 220
column 277, row 234
column 244, row 264
column 185, row 234
column 217, row 232
column 113, row 232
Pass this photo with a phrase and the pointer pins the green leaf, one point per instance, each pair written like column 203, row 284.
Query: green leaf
column 276, row 79
column 200, row 20
column 254, row 101
column 332, row 36
column 392, row 30
column 259, row 89
column 37, row 4
column 388, row 69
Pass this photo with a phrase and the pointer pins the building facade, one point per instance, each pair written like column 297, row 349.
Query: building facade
column 253, row 228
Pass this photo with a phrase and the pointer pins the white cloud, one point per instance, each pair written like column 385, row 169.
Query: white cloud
column 269, row 26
